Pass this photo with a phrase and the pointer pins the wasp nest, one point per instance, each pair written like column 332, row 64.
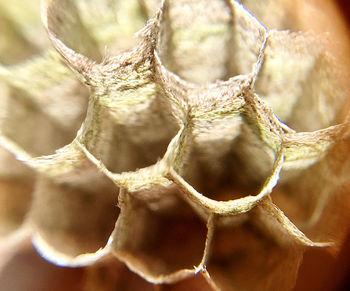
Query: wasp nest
column 212, row 146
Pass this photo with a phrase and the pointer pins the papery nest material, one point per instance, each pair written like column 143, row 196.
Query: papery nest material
column 194, row 133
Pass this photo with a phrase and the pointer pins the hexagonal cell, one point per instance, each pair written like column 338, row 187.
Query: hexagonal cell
column 244, row 167
column 95, row 28
column 306, row 96
column 70, row 219
column 127, row 125
column 162, row 239
column 205, row 42
column 243, row 257
column 316, row 199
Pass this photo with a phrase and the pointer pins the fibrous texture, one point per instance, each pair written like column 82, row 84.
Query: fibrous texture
column 213, row 145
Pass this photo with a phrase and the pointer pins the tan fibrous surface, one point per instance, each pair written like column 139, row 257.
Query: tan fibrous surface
column 210, row 150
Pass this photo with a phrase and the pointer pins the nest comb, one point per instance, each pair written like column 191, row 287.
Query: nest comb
column 214, row 145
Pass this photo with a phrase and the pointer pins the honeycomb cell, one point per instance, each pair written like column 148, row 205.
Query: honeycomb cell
column 308, row 85
column 82, row 216
column 163, row 239
column 123, row 142
column 231, row 39
column 243, row 257
column 310, row 199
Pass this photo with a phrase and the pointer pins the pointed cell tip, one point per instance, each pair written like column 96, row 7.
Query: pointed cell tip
column 82, row 65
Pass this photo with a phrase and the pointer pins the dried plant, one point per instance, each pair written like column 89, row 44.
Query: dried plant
column 214, row 145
